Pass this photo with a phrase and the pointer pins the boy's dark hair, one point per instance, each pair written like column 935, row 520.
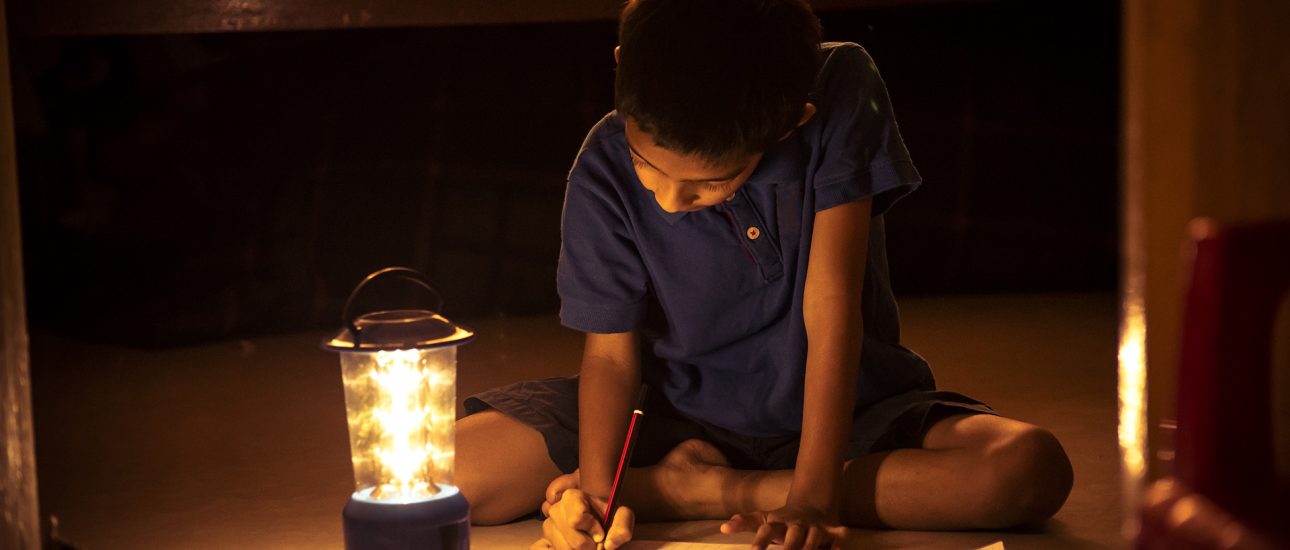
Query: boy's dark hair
column 716, row 78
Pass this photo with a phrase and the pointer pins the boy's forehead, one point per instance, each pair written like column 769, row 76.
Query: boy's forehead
column 679, row 165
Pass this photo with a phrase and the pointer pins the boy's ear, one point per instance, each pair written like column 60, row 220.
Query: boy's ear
column 616, row 48
column 808, row 111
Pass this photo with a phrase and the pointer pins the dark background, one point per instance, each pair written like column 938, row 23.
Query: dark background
column 182, row 188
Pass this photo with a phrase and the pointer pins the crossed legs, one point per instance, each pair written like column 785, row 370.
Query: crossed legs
column 973, row 472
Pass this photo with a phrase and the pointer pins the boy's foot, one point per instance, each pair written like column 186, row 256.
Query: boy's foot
column 686, row 480
column 695, row 456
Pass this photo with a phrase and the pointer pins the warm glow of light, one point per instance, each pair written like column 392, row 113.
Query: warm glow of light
column 400, row 416
column 1132, row 393
column 401, row 406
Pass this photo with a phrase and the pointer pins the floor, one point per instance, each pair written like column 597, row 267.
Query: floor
column 242, row 444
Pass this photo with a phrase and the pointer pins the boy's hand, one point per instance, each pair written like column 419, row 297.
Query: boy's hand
column 796, row 528
column 558, row 486
column 572, row 524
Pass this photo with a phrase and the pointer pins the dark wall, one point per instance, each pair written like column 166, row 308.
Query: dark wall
column 185, row 187
column 1011, row 112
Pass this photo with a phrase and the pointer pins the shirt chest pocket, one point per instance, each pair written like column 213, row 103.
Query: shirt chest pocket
column 788, row 216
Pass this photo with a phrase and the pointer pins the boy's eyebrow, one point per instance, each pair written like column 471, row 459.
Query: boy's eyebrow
column 642, row 157
column 638, row 154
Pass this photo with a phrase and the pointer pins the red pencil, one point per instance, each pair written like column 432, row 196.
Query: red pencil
column 623, row 461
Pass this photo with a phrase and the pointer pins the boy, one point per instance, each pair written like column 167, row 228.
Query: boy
column 723, row 242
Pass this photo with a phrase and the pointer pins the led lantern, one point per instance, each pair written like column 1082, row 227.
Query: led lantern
column 400, row 373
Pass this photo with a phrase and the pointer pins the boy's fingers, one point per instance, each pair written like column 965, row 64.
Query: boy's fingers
column 575, row 538
column 818, row 537
column 566, row 516
column 551, row 534
column 573, row 541
column 559, row 485
column 588, row 524
column 839, row 534
column 575, row 508
column 576, row 503
column 766, row 534
column 553, row 493
column 794, row 537
column 814, row 538
column 621, row 531
column 741, row 522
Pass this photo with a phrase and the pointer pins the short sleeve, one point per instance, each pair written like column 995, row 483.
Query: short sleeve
column 600, row 277
column 861, row 152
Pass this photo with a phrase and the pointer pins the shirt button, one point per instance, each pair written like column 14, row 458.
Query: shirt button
column 753, row 233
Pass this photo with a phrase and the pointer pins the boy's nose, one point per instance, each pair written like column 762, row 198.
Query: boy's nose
column 672, row 198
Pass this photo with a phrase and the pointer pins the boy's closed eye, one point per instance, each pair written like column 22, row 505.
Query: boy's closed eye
column 684, row 182
column 718, row 187
column 715, row 185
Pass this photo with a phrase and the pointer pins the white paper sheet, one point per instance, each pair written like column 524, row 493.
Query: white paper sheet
column 677, row 545
column 665, row 545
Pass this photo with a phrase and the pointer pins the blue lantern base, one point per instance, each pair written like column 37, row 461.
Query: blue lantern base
column 442, row 523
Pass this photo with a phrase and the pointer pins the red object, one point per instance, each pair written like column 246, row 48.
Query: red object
column 623, row 460
column 1225, row 451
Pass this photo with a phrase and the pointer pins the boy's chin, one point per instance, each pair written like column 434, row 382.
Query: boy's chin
column 688, row 210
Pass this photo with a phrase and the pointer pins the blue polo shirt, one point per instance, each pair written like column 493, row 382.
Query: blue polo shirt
column 717, row 294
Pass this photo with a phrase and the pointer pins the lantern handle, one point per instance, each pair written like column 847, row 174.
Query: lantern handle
column 407, row 274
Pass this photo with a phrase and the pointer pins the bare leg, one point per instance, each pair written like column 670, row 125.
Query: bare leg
column 974, row 471
column 502, row 467
column 977, row 471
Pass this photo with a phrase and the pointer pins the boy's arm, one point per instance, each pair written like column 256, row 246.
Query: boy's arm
column 609, row 379
column 834, row 333
column 607, row 387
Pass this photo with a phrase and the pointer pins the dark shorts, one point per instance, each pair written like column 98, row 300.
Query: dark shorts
column 551, row 407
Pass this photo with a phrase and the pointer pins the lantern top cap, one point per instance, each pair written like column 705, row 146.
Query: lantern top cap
column 399, row 329
column 395, row 329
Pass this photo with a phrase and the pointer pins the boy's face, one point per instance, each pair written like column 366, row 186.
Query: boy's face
column 685, row 183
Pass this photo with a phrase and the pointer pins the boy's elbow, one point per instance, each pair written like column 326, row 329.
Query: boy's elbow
column 611, row 352
column 835, row 309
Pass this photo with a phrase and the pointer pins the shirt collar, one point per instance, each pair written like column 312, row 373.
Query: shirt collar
column 670, row 217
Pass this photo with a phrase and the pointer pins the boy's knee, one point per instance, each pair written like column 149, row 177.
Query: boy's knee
column 1029, row 477
column 485, row 514
column 472, row 485
column 485, row 508
column 501, row 467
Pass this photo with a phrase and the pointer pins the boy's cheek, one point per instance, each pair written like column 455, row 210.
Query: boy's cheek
column 646, row 181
